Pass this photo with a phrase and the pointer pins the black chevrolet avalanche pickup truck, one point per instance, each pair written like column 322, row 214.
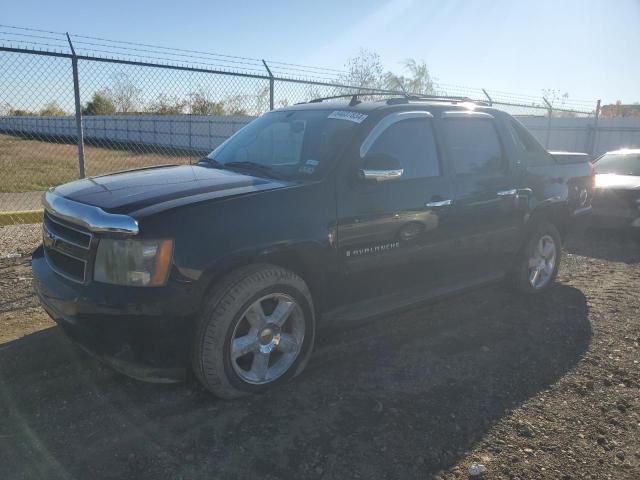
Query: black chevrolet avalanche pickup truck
column 320, row 212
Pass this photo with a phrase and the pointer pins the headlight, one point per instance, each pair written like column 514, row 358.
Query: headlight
column 141, row 263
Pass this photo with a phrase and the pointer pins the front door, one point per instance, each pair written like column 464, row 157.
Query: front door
column 394, row 235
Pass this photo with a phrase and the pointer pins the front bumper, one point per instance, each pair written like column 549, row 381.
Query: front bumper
column 141, row 332
column 616, row 208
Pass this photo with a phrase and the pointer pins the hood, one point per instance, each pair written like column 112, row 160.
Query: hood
column 162, row 187
column 619, row 182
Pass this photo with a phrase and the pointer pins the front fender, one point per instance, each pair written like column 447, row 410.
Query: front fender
column 292, row 227
column 308, row 259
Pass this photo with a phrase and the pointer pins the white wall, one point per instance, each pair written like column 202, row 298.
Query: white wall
column 577, row 134
column 200, row 132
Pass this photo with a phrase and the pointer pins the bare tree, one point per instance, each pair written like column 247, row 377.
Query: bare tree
column 313, row 91
column 201, row 103
column 555, row 97
column 262, row 100
column 52, row 109
column 5, row 108
column 167, row 105
column 236, row 105
column 557, row 100
column 124, row 94
column 18, row 112
column 365, row 70
column 417, row 80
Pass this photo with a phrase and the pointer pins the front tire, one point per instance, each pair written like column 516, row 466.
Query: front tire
column 537, row 264
column 255, row 332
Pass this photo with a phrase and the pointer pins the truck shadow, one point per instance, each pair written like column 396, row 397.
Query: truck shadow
column 597, row 243
column 400, row 397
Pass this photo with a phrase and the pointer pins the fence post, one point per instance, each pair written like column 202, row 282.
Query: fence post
column 488, row 97
column 594, row 135
column 550, row 113
column 76, row 94
column 270, row 84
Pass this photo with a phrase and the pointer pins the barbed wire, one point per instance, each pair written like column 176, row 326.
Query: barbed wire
column 259, row 61
column 240, row 64
column 15, row 27
column 125, row 50
column 114, row 50
column 11, row 42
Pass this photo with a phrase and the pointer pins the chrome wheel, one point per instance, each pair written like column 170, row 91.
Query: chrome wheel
column 267, row 338
column 542, row 262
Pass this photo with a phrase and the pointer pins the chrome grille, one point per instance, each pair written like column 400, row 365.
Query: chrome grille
column 67, row 248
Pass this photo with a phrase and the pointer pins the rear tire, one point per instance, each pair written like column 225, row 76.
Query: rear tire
column 255, row 332
column 537, row 263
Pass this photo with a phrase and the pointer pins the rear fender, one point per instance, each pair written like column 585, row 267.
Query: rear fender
column 552, row 211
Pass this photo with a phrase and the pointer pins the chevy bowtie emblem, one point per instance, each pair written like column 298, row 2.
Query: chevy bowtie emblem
column 50, row 239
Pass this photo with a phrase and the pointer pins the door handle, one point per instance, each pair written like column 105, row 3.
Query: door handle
column 507, row 193
column 439, row 203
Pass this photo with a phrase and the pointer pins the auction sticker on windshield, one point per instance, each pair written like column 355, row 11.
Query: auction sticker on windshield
column 349, row 116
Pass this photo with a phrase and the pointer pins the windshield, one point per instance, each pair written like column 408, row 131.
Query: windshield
column 291, row 144
column 622, row 164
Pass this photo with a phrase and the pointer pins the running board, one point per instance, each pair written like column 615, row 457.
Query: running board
column 400, row 301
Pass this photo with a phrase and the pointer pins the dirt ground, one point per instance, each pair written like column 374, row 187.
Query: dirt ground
column 533, row 388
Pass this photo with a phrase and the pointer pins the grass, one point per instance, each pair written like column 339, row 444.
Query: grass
column 34, row 165
column 20, row 217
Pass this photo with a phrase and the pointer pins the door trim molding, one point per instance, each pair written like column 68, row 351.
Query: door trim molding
column 385, row 123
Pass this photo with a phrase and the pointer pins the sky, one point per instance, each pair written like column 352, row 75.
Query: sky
column 587, row 48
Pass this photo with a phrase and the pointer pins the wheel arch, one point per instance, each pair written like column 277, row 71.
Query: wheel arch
column 555, row 213
column 302, row 259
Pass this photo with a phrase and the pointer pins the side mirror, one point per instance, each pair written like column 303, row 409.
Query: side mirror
column 380, row 167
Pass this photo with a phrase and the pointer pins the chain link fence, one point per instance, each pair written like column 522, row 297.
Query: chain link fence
column 75, row 105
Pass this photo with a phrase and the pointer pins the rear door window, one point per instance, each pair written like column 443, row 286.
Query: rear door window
column 526, row 142
column 474, row 146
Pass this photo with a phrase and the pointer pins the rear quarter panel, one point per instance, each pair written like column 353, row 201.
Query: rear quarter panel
column 559, row 189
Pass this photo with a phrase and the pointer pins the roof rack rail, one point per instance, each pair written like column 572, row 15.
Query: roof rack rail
column 438, row 98
column 404, row 98
column 354, row 96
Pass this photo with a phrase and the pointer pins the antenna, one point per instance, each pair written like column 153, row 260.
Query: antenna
column 400, row 84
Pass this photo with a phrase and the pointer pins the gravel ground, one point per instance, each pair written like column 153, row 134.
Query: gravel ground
column 544, row 387
column 19, row 239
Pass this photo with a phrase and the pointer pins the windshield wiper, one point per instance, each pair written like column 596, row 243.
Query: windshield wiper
column 210, row 162
column 252, row 167
column 244, row 166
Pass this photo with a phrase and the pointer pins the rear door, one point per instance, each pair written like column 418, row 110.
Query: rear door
column 394, row 235
column 485, row 212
